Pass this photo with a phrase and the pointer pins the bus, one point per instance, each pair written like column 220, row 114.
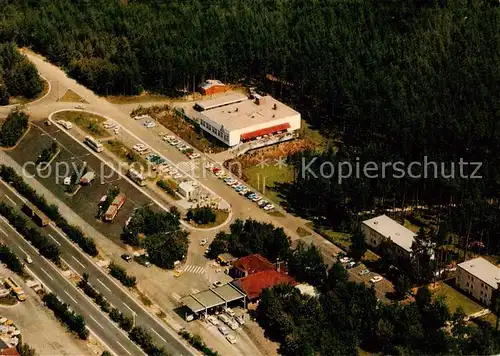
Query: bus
column 35, row 214
column 16, row 289
column 94, row 144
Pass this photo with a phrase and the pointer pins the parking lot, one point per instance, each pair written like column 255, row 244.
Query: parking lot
column 73, row 155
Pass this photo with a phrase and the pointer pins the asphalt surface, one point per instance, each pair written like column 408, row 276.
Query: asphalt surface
column 104, row 284
column 52, row 278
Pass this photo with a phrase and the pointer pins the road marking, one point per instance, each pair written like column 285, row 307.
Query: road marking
column 57, row 242
column 123, row 347
column 3, row 232
column 69, row 295
column 22, row 250
column 67, row 264
column 12, row 201
column 129, row 308
column 48, row 275
column 91, row 317
column 81, row 264
column 156, row 332
column 105, row 286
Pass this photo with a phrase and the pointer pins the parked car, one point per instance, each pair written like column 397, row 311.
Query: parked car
column 224, row 318
column 345, row 259
column 218, row 284
column 256, row 198
column 350, row 265
column 81, row 107
column 229, row 312
column 363, row 272
column 269, row 207
column 376, row 279
column 194, row 155
column 231, row 339
column 223, row 330
column 262, row 203
column 240, row 319
column 127, row 257
column 213, row 320
column 203, row 242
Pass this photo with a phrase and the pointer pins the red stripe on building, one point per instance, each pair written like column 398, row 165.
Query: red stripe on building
column 266, row 131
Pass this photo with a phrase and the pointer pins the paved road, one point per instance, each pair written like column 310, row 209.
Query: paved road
column 52, row 278
column 111, row 290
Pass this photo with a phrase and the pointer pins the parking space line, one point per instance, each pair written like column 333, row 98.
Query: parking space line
column 81, row 264
column 57, row 242
column 22, row 250
column 123, row 347
column 48, row 275
column 91, row 317
column 70, row 297
column 12, row 201
column 156, row 332
column 105, row 286
column 3, row 232
column 129, row 308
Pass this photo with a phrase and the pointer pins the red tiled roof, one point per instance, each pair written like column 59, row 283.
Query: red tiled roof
column 253, row 264
column 253, row 285
column 11, row 351
column 266, row 131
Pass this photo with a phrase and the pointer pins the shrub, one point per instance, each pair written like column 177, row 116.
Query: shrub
column 120, row 274
column 75, row 322
column 13, row 128
column 10, row 259
column 203, row 215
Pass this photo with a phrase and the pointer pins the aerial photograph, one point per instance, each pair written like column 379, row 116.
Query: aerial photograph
column 249, row 177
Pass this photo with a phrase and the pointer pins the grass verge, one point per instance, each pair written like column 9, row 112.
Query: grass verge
column 124, row 153
column 269, row 176
column 455, row 299
column 133, row 99
column 220, row 217
column 302, row 232
column 169, row 187
column 90, row 123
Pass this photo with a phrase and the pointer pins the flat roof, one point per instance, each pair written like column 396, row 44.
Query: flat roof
column 483, row 270
column 222, row 100
column 212, row 297
column 387, row 227
column 248, row 113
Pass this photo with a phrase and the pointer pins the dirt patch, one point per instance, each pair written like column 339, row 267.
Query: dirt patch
column 72, row 97
column 8, row 300
column 90, row 123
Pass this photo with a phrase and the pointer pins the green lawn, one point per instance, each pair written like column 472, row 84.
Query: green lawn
column 271, row 175
column 455, row 299
column 411, row 226
column 90, row 123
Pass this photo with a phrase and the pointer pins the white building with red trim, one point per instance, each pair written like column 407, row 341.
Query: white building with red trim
column 236, row 118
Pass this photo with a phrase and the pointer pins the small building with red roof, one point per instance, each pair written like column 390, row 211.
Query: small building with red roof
column 248, row 265
column 254, row 284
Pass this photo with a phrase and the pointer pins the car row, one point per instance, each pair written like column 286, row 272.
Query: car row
column 188, row 150
column 239, row 187
column 228, row 318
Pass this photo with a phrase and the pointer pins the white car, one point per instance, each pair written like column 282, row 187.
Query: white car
column 231, row 339
column 240, row 319
column 212, row 319
column 149, row 124
column 224, row 318
column 177, row 176
column 256, row 198
column 262, row 203
column 81, row 107
column 233, row 324
column 345, row 259
column 174, row 142
column 67, row 181
column 223, row 330
column 28, row 259
column 194, row 155
column 203, row 242
column 269, row 207
column 376, row 279
column 229, row 312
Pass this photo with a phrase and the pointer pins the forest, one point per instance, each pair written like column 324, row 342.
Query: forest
column 18, row 76
column 386, row 80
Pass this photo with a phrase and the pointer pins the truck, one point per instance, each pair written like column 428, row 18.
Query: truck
column 137, row 177
column 16, row 289
column 113, row 208
column 35, row 214
column 87, row 178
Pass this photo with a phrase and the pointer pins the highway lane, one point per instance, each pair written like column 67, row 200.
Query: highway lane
column 117, row 296
column 52, row 278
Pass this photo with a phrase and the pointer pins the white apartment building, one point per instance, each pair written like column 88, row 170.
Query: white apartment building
column 383, row 227
column 479, row 278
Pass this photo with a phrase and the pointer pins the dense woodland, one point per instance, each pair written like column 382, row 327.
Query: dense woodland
column 388, row 80
column 18, row 76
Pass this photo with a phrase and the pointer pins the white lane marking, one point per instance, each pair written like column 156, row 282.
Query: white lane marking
column 81, row 264
column 3, row 232
column 48, row 275
column 129, row 308
column 53, row 238
column 12, row 201
column 105, row 286
column 22, row 250
column 91, row 317
column 156, row 332
column 67, row 264
column 69, row 295
column 123, row 347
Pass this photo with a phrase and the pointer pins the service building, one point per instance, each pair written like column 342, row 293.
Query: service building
column 236, row 118
column 479, row 278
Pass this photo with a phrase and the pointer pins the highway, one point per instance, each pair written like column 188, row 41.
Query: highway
column 53, row 279
column 116, row 295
